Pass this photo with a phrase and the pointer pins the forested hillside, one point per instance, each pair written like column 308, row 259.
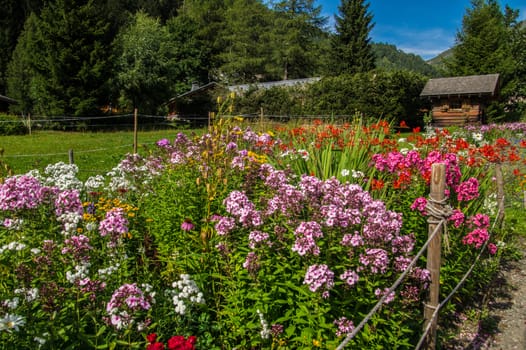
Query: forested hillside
column 81, row 55
column 77, row 57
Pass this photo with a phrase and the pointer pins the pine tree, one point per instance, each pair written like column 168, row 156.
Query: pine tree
column 297, row 31
column 67, row 50
column 246, row 53
column 351, row 46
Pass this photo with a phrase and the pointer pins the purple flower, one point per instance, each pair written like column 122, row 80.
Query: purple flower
column 225, row 225
column 377, row 260
column 350, row 277
column 306, row 234
column 78, row 246
column 114, row 225
column 164, row 143
column 68, row 201
column 256, row 238
column 251, row 263
column 21, row 192
column 187, row 225
column 319, row 277
column 126, row 303
column 389, row 295
column 344, row 325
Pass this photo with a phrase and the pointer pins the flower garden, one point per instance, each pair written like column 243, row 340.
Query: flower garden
column 236, row 239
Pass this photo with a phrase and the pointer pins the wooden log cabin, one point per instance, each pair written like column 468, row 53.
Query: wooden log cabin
column 458, row 101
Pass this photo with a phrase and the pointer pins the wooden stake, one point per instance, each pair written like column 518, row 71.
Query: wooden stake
column 135, row 127
column 71, row 159
column 29, row 122
column 438, row 176
column 500, row 194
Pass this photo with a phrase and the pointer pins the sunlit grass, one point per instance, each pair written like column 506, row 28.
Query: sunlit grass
column 93, row 153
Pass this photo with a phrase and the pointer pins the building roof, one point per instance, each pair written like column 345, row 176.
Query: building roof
column 7, row 99
column 270, row 84
column 467, row 85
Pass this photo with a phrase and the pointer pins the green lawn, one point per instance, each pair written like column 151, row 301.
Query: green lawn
column 94, row 153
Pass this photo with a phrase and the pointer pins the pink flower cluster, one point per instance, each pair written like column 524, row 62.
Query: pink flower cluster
column 316, row 210
column 68, row 201
column 306, row 234
column 468, row 190
column 480, row 234
column 125, row 303
column 22, row 192
column 239, row 206
column 114, row 224
column 319, row 277
column 78, row 246
column 344, row 326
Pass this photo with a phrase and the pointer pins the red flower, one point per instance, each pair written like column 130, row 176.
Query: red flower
column 178, row 342
column 192, row 339
column 155, row 346
column 151, row 337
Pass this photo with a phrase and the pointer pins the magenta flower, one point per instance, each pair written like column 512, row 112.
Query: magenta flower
column 476, row 238
column 492, row 249
column 420, row 204
column 457, row 217
column 187, row 225
column 468, row 190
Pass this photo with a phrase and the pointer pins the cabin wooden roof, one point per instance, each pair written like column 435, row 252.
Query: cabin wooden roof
column 7, row 99
column 461, row 86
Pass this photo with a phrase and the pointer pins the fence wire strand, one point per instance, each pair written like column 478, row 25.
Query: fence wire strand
column 391, row 289
column 457, row 287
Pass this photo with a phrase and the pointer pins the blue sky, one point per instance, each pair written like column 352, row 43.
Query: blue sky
column 422, row 27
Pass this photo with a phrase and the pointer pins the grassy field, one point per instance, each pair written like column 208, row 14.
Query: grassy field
column 94, row 153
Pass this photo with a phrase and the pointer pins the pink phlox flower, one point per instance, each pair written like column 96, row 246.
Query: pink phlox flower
column 344, row 326
column 479, row 221
column 420, row 204
column 319, row 277
column 468, row 190
column 457, row 217
column 350, row 277
column 390, row 295
column 376, row 259
column 476, row 238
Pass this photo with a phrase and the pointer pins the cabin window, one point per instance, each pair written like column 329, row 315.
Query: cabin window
column 455, row 104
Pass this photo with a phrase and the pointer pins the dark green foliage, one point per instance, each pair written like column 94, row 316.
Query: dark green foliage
column 12, row 17
column 296, row 31
column 11, row 125
column 393, row 95
column 247, row 50
column 145, row 65
column 71, row 65
column 351, row 46
column 491, row 41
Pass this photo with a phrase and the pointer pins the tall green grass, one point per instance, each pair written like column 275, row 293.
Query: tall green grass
column 93, row 153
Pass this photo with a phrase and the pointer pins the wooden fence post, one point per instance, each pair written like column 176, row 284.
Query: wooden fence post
column 436, row 199
column 500, row 194
column 135, row 128
column 71, row 159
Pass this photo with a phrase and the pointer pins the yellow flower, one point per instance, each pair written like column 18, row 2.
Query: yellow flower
column 316, row 343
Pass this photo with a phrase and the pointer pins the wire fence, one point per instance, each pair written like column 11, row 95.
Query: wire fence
column 427, row 338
